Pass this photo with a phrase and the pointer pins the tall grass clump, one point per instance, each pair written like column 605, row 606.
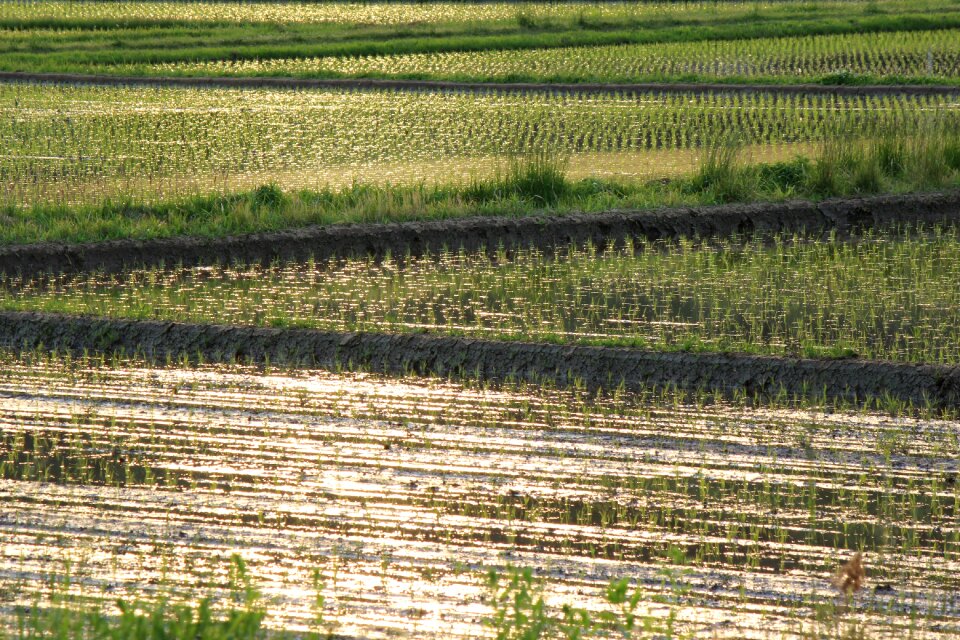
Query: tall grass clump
column 722, row 171
column 920, row 155
column 931, row 151
column 269, row 196
column 539, row 177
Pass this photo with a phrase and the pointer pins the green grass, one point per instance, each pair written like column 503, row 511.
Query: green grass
column 155, row 621
column 104, row 38
column 63, row 614
column 515, row 599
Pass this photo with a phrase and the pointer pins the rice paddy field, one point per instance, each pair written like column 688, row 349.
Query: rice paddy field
column 930, row 54
column 392, row 498
column 83, row 145
column 270, row 502
column 887, row 297
column 402, row 13
column 884, row 40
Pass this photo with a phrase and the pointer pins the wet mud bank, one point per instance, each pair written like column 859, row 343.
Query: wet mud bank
column 375, row 84
column 844, row 217
column 595, row 367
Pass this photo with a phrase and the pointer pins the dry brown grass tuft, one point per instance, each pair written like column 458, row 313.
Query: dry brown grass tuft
column 851, row 576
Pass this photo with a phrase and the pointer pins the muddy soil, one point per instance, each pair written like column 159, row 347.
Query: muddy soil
column 475, row 87
column 844, row 217
column 596, row 367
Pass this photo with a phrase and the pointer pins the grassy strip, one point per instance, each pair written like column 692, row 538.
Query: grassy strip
column 136, row 46
column 897, row 160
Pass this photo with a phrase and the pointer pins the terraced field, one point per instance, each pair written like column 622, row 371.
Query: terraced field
column 347, row 12
column 403, row 492
column 737, row 408
column 930, row 54
column 887, row 296
column 82, row 145
column 486, row 41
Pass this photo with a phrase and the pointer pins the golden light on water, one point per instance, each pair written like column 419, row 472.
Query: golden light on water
column 403, row 492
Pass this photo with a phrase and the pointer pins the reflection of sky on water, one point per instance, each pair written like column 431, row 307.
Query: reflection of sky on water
column 402, row 491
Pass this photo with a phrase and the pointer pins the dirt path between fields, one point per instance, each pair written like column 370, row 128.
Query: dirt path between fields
column 474, row 87
column 844, row 217
column 596, row 367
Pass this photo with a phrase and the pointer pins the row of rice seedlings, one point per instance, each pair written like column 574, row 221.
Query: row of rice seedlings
column 82, row 145
column 779, row 506
column 397, row 13
column 885, row 296
column 919, row 53
column 740, row 515
column 841, row 495
column 96, row 367
column 865, row 521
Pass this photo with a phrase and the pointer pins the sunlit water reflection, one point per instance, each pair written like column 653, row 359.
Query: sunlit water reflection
column 402, row 492
column 79, row 144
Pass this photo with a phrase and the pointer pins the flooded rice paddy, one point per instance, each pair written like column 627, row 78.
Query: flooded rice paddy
column 364, row 13
column 81, row 145
column 891, row 54
column 892, row 296
column 402, row 492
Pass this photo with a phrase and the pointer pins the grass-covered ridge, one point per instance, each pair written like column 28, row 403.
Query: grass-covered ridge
column 896, row 161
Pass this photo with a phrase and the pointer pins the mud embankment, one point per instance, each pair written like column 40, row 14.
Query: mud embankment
column 374, row 84
column 595, row 367
column 844, row 217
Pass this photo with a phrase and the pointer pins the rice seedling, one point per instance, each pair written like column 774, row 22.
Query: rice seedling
column 706, row 509
column 74, row 146
column 839, row 59
column 885, row 296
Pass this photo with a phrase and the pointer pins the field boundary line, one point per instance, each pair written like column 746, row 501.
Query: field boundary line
column 851, row 380
column 844, row 217
column 375, row 84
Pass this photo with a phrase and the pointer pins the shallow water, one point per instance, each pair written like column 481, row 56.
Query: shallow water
column 402, row 492
column 79, row 144
column 894, row 296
